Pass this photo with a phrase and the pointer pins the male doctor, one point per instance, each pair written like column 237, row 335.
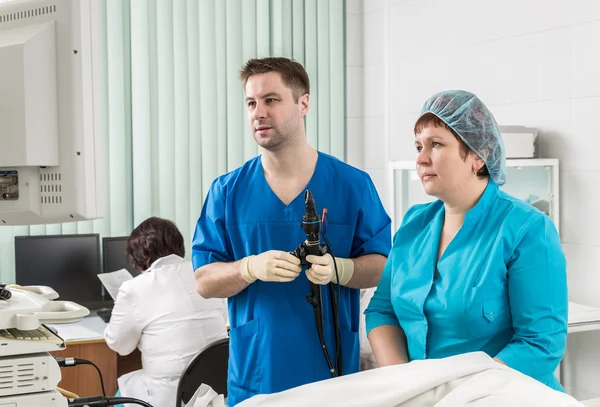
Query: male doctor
column 250, row 223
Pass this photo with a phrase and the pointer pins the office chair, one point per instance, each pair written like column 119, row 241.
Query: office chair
column 208, row 367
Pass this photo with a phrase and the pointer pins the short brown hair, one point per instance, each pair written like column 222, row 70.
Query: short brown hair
column 152, row 239
column 431, row 120
column 292, row 73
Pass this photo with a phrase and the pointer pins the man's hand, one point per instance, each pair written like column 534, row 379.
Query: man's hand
column 322, row 270
column 273, row 265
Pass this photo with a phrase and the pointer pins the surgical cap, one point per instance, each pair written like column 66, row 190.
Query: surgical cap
column 464, row 113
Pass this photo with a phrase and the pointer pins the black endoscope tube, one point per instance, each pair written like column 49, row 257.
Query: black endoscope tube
column 311, row 223
column 334, row 313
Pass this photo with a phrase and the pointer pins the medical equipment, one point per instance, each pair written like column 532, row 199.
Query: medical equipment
column 51, row 144
column 47, row 399
column 16, row 341
column 30, row 307
column 311, row 223
column 28, row 373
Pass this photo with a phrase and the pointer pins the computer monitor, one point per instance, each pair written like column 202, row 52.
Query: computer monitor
column 113, row 255
column 68, row 263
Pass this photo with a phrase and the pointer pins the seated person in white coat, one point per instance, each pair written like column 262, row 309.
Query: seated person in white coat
column 160, row 313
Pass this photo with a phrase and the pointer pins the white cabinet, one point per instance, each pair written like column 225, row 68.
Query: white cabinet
column 534, row 180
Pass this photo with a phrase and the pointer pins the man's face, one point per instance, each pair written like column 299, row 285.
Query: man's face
column 275, row 119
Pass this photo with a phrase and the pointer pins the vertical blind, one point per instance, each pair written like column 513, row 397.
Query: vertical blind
column 174, row 107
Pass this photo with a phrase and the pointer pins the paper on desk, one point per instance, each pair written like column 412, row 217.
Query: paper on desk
column 112, row 281
column 75, row 331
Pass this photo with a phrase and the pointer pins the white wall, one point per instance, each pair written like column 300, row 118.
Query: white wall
column 534, row 63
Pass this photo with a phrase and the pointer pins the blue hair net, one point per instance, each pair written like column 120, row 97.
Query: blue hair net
column 464, row 113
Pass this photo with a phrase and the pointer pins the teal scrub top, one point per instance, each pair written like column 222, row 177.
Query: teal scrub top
column 273, row 341
column 500, row 286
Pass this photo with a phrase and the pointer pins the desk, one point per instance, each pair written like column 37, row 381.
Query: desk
column 85, row 340
column 581, row 318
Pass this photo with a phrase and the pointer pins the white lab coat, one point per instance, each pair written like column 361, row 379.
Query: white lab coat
column 161, row 314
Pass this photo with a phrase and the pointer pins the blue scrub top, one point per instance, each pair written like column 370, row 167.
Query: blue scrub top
column 501, row 286
column 274, row 345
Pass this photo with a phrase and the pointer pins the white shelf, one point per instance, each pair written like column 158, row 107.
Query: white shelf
column 510, row 162
column 583, row 318
column 404, row 187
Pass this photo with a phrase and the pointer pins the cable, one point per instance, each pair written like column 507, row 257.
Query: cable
column 315, row 299
column 124, row 400
column 67, row 393
column 335, row 310
column 5, row 293
column 100, row 401
column 70, row 362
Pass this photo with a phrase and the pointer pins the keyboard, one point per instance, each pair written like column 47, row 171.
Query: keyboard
column 15, row 341
column 105, row 314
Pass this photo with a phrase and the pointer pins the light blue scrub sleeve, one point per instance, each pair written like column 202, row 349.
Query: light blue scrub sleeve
column 380, row 311
column 373, row 226
column 209, row 244
column 537, row 289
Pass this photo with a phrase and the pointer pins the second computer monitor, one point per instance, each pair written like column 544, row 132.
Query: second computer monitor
column 68, row 263
column 113, row 254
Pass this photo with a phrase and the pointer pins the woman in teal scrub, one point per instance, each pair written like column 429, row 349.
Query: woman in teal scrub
column 476, row 270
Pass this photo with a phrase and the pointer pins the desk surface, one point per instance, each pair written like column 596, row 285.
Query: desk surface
column 85, row 339
column 89, row 330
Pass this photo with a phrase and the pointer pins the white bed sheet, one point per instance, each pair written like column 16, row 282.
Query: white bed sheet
column 472, row 379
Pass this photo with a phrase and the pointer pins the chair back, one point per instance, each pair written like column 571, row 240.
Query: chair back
column 209, row 367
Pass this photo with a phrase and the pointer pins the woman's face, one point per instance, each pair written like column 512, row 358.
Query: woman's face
column 440, row 166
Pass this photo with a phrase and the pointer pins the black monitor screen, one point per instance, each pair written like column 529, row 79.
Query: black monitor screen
column 67, row 263
column 113, row 254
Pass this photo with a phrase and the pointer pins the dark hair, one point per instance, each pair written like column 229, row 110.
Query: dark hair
column 431, row 120
column 292, row 73
column 152, row 239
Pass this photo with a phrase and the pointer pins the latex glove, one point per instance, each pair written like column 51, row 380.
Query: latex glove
column 273, row 265
column 322, row 270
